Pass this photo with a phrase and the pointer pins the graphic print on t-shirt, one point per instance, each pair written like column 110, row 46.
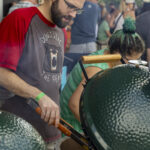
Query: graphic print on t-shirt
column 52, row 58
column 52, row 63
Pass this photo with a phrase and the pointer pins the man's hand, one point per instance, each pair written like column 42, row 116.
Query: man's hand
column 50, row 111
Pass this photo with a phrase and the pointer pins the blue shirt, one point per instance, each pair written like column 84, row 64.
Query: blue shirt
column 84, row 26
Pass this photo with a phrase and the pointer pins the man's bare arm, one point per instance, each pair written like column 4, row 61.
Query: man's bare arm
column 12, row 82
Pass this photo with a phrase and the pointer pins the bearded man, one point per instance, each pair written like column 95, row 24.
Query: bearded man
column 31, row 59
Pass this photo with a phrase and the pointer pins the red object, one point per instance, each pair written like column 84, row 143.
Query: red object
column 13, row 31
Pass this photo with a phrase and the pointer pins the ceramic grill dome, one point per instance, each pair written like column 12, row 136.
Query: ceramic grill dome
column 115, row 109
column 17, row 134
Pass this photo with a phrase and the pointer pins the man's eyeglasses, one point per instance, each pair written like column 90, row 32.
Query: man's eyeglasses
column 73, row 8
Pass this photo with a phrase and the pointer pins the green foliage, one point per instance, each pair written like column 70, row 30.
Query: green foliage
column 117, row 2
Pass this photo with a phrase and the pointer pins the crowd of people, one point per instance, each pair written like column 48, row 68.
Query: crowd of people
column 32, row 45
column 126, row 42
column 96, row 24
column 89, row 35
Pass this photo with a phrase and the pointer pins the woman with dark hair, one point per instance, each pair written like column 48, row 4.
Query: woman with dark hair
column 125, row 42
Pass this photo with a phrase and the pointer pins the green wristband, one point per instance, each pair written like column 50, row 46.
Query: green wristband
column 39, row 96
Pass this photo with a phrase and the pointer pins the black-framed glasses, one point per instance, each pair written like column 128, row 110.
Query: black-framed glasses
column 73, row 8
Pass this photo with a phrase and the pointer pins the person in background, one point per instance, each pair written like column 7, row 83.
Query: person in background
column 143, row 27
column 116, row 20
column 23, row 4
column 83, row 30
column 130, row 9
column 111, row 8
column 122, row 5
column 102, row 5
column 31, row 58
column 126, row 10
column 125, row 42
column 104, row 32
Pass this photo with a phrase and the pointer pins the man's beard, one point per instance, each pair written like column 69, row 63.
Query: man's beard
column 57, row 16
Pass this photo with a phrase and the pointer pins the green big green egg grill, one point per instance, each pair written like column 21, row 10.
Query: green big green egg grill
column 18, row 134
column 114, row 111
column 115, row 108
